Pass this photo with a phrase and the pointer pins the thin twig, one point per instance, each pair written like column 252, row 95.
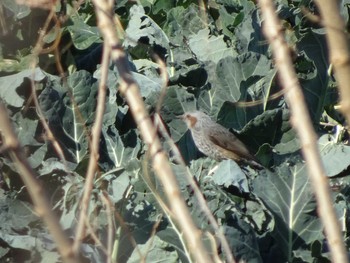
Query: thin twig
column 197, row 192
column 165, row 79
column 38, row 49
column 151, row 240
column 94, row 149
column 128, row 87
column 302, row 123
column 124, row 227
column 339, row 52
column 171, row 217
column 35, row 189
column 94, row 237
column 110, row 230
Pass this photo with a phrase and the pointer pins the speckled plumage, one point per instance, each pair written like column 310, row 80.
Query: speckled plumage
column 215, row 141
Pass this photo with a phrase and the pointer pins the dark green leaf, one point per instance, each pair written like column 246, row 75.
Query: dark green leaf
column 115, row 151
column 71, row 112
column 288, row 195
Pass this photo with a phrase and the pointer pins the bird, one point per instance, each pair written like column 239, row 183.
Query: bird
column 217, row 142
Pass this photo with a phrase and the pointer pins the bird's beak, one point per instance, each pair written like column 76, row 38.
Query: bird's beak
column 181, row 117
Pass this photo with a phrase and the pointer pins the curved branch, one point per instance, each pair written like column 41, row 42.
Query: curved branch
column 303, row 125
column 35, row 189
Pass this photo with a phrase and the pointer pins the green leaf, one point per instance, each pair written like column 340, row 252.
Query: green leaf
column 246, row 77
column 142, row 28
column 117, row 186
column 228, row 20
column 187, row 147
column 54, row 165
column 37, row 156
column 238, row 219
column 249, row 36
column 243, row 242
column 234, row 72
column 314, row 80
column 229, row 174
column 183, row 22
column 335, row 156
column 83, row 35
column 19, row 11
column 176, row 102
column 168, row 235
column 26, row 129
column 154, row 250
column 271, row 127
column 289, row 196
column 288, row 142
column 21, row 229
column 10, row 84
column 15, row 214
column 208, row 47
column 147, row 84
column 119, row 151
column 69, row 205
column 71, row 112
column 18, row 64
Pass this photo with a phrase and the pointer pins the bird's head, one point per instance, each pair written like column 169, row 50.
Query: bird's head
column 194, row 119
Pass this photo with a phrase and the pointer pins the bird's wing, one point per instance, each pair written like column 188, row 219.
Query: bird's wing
column 229, row 144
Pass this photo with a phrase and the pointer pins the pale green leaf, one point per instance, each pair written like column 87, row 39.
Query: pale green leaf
column 207, row 47
column 229, row 174
column 9, row 85
column 335, row 156
column 154, row 250
column 83, row 35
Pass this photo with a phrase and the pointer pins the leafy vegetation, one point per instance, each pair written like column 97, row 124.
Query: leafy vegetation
column 219, row 62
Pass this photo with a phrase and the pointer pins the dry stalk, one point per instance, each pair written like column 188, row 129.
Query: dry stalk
column 110, row 234
column 197, row 192
column 123, row 227
column 160, row 162
column 37, row 50
column 35, row 189
column 94, row 148
column 151, row 240
column 171, row 217
column 303, row 125
column 95, row 238
column 338, row 48
column 201, row 200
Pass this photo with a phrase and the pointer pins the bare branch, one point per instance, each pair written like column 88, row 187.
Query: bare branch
column 38, row 49
column 303, row 125
column 338, row 48
column 160, row 162
column 94, row 149
column 36, row 191
column 110, row 233
column 197, row 192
